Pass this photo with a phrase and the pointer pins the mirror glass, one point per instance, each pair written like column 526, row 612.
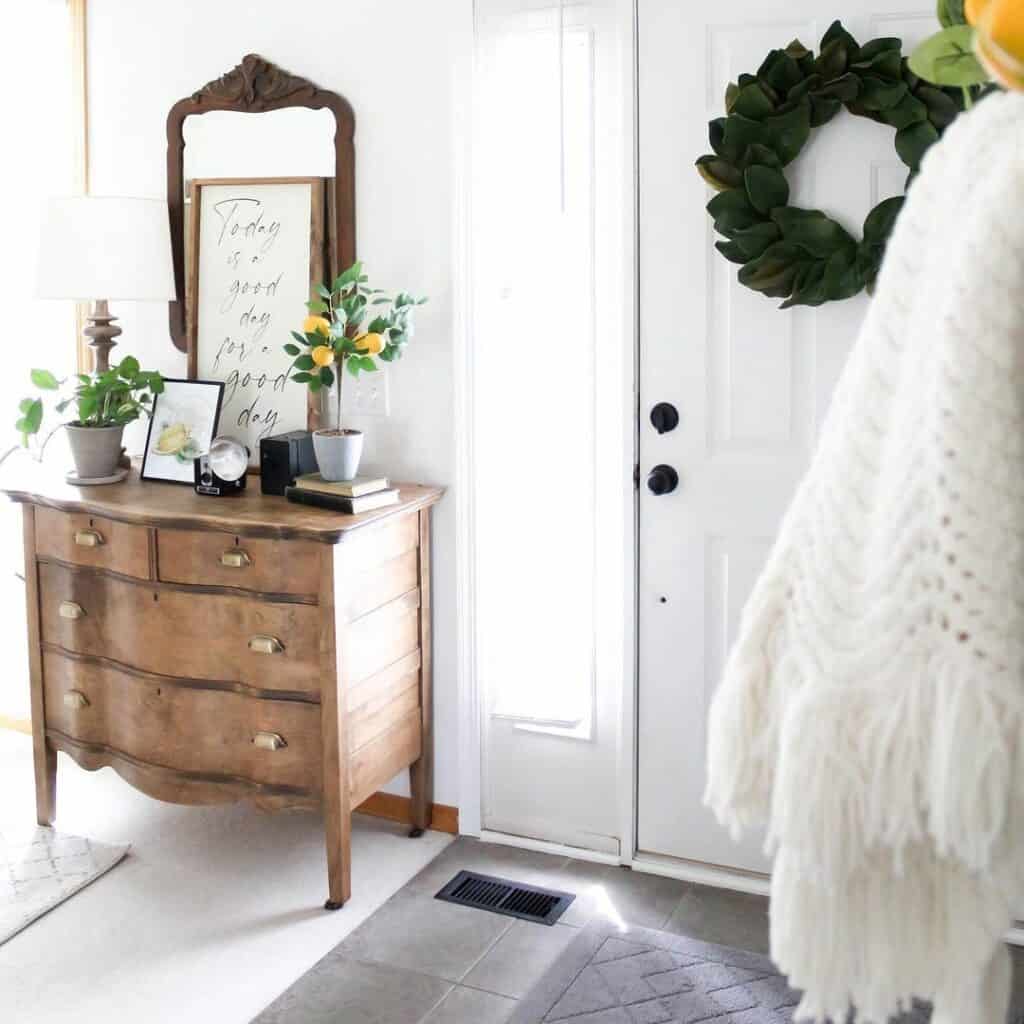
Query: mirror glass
column 294, row 142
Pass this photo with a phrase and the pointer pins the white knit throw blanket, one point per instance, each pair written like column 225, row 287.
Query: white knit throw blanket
column 872, row 709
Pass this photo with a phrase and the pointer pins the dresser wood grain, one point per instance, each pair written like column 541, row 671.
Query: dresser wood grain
column 212, row 650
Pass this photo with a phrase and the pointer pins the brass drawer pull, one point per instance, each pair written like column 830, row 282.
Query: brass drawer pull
column 236, row 558
column 70, row 610
column 88, row 538
column 76, row 700
column 263, row 644
column 269, row 741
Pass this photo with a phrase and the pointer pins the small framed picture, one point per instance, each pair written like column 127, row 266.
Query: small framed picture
column 181, row 427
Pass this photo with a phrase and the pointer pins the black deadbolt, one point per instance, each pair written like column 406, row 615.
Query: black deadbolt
column 662, row 480
column 664, row 417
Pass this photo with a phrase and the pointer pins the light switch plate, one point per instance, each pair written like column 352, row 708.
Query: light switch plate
column 371, row 394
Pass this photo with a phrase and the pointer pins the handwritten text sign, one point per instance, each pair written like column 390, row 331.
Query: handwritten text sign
column 254, row 278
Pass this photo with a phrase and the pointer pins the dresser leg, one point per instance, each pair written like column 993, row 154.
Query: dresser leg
column 45, row 759
column 420, row 785
column 337, row 823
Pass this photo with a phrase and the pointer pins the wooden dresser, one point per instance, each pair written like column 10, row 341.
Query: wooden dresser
column 221, row 649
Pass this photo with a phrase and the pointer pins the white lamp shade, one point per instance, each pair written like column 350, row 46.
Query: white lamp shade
column 98, row 247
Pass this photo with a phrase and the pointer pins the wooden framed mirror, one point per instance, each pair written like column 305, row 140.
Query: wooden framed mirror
column 258, row 87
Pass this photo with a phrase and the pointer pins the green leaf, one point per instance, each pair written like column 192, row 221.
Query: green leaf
column 368, row 364
column 323, row 292
column 812, row 231
column 752, row 101
column 314, row 384
column 753, row 241
column 316, row 306
column 766, row 188
column 947, row 58
column 87, row 406
column 378, row 325
column 292, row 350
column 773, row 272
column 304, row 363
column 326, row 376
column 353, row 365
column 388, row 353
column 880, row 221
column 300, row 338
column 789, row 131
column 718, row 173
column 45, row 380
column 302, row 378
column 951, row 12
column 914, row 141
column 128, row 367
column 731, row 210
column 33, row 417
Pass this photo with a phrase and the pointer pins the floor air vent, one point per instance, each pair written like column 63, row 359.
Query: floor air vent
column 499, row 895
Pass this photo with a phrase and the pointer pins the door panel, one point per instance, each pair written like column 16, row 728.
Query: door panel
column 751, row 382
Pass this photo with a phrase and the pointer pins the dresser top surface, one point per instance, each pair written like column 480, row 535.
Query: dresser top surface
column 150, row 503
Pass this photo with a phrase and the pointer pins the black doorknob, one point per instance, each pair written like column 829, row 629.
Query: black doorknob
column 662, row 480
column 664, row 417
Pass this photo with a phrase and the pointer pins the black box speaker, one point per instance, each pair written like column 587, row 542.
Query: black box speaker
column 283, row 458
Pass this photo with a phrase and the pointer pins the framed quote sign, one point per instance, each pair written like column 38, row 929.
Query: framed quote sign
column 255, row 248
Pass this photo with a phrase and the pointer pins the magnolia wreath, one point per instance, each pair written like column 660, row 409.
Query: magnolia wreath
column 804, row 256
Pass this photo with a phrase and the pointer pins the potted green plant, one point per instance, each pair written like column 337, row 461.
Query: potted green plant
column 105, row 403
column 341, row 336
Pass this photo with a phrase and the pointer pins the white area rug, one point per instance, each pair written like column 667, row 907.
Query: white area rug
column 41, row 868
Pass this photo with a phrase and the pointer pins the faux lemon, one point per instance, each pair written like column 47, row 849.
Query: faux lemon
column 172, row 439
column 316, row 325
column 372, row 344
column 322, row 355
column 1000, row 39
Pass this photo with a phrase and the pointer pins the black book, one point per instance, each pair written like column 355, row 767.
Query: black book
column 340, row 503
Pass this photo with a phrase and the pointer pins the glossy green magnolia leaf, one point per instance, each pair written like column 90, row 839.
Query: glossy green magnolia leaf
column 766, row 188
column 914, row 141
column 732, row 251
column 789, row 132
column 774, row 271
column 947, row 58
column 812, row 231
column 718, row 173
column 752, row 101
column 753, row 241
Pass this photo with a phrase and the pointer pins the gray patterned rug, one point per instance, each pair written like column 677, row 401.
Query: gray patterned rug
column 40, row 868
column 640, row 976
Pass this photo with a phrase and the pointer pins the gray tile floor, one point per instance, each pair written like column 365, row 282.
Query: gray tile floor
column 418, row 960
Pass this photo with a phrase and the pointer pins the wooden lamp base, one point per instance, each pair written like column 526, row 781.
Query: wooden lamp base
column 101, row 333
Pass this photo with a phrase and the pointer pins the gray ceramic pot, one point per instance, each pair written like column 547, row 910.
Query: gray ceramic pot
column 96, row 450
column 338, row 454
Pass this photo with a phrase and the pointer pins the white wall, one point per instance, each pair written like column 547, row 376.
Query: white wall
column 393, row 61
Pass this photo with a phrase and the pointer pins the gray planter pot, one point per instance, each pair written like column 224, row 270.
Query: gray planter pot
column 338, row 455
column 96, row 450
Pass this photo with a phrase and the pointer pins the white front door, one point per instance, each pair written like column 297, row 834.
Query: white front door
column 750, row 382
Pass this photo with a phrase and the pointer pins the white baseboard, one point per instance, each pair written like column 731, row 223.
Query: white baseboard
column 541, row 846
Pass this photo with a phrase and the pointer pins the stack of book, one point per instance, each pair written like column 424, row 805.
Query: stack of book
column 361, row 494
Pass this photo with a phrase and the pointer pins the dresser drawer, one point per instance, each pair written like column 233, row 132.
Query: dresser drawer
column 93, row 541
column 252, row 563
column 272, row 646
column 208, row 732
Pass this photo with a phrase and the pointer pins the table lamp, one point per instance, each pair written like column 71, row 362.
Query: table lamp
column 98, row 248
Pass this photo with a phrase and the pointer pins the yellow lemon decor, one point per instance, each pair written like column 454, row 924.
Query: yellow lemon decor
column 322, row 355
column 172, row 439
column 372, row 343
column 316, row 325
column 999, row 42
